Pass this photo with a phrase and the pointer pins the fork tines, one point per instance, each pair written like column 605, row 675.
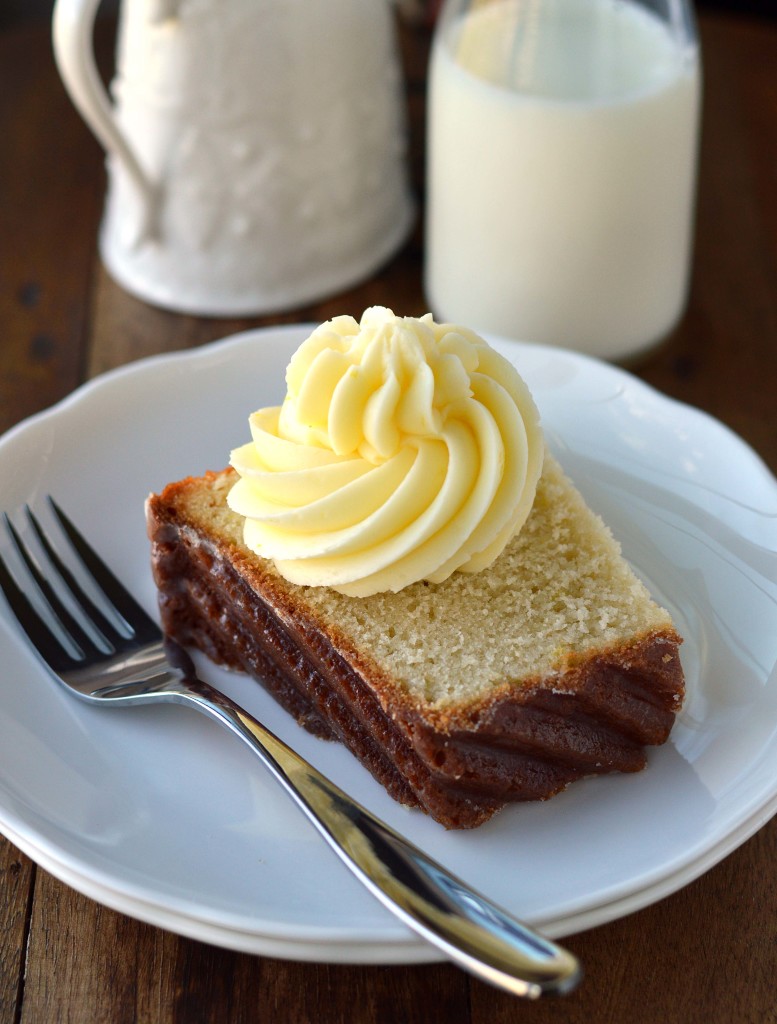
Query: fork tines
column 70, row 626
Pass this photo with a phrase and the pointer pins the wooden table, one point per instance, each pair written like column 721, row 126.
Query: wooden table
column 706, row 954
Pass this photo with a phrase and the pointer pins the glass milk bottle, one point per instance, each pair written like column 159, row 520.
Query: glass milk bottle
column 561, row 169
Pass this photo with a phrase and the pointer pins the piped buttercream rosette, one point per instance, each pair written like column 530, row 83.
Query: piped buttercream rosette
column 404, row 450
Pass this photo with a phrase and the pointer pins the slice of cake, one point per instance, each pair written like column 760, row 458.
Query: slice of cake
column 463, row 674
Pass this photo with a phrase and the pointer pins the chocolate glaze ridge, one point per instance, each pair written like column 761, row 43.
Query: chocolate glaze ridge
column 195, row 583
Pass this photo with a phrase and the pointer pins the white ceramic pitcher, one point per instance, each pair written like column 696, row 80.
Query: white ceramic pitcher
column 256, row 148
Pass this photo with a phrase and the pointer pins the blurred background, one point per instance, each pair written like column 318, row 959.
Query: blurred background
column 19, row 10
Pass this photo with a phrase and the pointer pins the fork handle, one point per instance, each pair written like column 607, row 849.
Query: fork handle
column 469, row 929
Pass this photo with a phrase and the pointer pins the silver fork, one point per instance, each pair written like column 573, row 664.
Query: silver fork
column 137, row 665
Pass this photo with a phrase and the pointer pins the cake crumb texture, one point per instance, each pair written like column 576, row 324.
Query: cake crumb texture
column 561, row 590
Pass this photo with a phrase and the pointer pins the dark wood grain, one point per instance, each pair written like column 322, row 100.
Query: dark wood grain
column 51, row 185
column 705, row 954
column 723, row 357
column 16, row 887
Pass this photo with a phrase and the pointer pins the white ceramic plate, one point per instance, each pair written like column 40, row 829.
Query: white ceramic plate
column 161, row 814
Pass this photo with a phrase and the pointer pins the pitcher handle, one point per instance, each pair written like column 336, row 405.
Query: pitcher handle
column 72, row 32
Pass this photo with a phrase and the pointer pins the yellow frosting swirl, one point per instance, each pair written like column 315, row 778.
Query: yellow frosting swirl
column 405, row 450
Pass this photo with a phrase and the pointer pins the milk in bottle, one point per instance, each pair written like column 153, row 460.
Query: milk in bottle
column 562, row 152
